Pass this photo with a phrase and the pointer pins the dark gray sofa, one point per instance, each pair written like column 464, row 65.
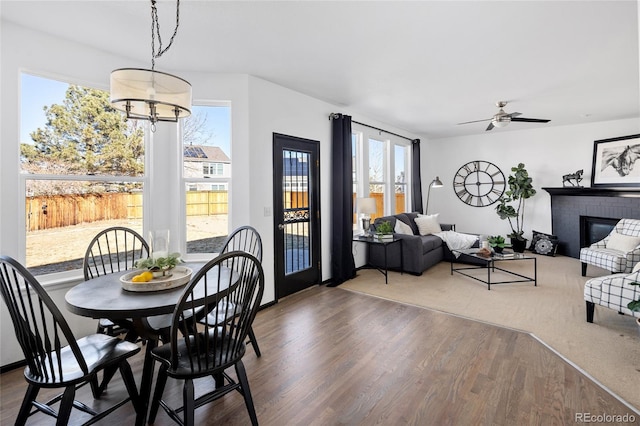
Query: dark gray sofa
column 419, row 252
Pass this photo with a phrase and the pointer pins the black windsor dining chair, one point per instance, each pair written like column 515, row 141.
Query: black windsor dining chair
column 247, row 239
column 41, row 329
column 216, row 346
column 113, row 250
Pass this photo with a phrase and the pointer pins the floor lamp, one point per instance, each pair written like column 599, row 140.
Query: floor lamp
column 366, row 206
column 436, row 183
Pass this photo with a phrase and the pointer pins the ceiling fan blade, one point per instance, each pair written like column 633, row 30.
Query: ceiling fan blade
column 489, row 127
column 514, row 114
column 476, row 121
column 530, row 120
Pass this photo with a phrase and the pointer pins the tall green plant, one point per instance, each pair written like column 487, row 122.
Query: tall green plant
column 520, row 188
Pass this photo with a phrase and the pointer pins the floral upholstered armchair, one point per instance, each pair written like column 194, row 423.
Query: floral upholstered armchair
column 618, row 252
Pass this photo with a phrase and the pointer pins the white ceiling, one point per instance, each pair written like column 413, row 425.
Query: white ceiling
column 422, row 66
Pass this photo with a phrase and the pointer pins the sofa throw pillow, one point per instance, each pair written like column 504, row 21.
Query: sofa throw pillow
column 621, row 242
column 402, row 228
column 428, row 224
column 636, row 268
column 542, row 243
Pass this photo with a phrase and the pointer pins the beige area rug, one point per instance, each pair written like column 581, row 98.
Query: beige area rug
column 608, row 350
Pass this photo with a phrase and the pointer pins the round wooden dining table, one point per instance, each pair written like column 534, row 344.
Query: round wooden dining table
column 104, row 297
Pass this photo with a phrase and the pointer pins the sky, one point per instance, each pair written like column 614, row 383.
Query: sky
column 38, row 92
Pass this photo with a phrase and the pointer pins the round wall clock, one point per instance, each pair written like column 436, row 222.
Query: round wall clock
column 479, row 183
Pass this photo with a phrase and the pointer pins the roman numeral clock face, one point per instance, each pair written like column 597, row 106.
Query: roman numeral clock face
column 479, row 183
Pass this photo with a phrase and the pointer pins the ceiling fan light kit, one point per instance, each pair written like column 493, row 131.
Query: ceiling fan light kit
column 502, row 119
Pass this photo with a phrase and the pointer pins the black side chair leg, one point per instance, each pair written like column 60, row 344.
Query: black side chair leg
column 108, row 374
column 130, row 384
column 584, row 269
column 25, row 408
column 254, row 342
column 189, row 403
column 590, row 309
column 157, row 395
column 66, row 405
column 219, row 380
column 246, row 392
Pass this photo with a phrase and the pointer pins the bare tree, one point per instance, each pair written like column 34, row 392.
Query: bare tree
column 195, row 130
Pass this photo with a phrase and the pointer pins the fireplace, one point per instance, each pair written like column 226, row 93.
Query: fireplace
column 594, row 229
column 581, row 216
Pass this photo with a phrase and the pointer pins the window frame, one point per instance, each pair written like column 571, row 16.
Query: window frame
column 61, row 277
column 206, row 179
column 361, row 135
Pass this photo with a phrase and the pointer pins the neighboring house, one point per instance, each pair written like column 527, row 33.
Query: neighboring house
column 201, row 161
column 295, row 175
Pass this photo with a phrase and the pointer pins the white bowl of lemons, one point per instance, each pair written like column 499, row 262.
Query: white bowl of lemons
column 142, row 280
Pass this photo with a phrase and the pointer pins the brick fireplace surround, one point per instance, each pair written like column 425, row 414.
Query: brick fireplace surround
column 575, row 210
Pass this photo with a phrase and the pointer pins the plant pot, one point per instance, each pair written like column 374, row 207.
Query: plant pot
column 518, row 245
column 162, row 273
column 498, row 249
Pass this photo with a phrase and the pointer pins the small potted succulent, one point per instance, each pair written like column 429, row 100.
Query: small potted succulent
column 384, row 230
column 497, row 243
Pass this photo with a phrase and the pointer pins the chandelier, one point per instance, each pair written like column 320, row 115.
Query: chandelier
column 152, row 95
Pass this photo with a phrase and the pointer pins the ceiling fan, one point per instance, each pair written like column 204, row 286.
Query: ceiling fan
column 501, row 119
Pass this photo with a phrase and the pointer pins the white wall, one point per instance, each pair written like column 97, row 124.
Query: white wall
column 548, row 154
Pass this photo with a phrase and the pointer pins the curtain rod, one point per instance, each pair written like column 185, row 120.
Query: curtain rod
column 337, row 115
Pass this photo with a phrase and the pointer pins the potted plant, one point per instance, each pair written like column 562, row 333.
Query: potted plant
column 159, row 266
column 520, row 189
column 384, row 230
column 634, row 306
column 497, row 243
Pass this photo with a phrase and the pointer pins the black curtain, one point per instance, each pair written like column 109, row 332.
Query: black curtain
column 342, row 264
column 416, row 185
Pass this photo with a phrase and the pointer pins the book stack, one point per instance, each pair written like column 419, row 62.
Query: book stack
column 505, row 254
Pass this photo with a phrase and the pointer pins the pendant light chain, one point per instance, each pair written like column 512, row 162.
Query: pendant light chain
column 155, row 31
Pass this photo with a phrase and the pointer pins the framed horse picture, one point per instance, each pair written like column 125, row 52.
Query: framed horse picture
column 614, row 162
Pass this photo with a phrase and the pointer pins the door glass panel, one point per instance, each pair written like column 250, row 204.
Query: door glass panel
column 295, row 184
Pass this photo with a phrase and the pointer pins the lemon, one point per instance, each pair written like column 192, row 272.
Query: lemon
column 144, row 277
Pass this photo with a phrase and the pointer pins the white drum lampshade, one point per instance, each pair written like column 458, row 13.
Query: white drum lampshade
column 150, row 95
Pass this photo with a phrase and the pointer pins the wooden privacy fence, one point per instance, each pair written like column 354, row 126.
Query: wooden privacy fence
column 56, row 211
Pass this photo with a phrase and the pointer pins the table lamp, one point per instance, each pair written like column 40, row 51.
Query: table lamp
column 366, row 206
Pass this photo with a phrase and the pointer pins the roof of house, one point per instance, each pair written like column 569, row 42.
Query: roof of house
column 204, row 153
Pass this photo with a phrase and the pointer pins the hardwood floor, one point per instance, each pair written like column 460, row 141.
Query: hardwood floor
column 331, row 356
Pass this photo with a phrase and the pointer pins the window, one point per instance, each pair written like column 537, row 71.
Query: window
column 215, row 169
column 81, row 170
column 207, row 177
column 381, row 170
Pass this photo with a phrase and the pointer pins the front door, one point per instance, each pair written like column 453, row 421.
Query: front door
column 296, row 200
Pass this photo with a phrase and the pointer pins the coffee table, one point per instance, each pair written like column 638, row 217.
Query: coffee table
column 489, row 263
